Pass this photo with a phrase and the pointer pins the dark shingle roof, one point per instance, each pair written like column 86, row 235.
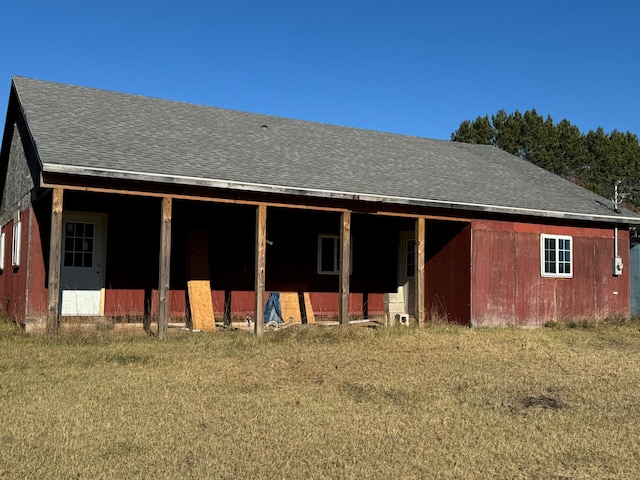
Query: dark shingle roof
column 103, row 133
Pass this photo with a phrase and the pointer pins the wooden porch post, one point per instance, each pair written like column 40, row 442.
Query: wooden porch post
column 165, row 264
column 420, row 280
column 345, row 256
column 55, row 251
column 260, row 274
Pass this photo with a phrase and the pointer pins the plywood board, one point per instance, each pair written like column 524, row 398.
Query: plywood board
column 311, row 318
column 290, row 307
column 198, row 283
column 200, row 304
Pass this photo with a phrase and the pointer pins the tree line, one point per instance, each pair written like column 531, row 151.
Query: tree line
column 594, row 160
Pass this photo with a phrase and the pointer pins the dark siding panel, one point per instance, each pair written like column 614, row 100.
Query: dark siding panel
column 535, row 296
column 38, row 296
column 494, row 277
column 448, row 271
column 14, row 280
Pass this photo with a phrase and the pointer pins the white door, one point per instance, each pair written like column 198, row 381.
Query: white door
column 407, row 270
column 81, row 269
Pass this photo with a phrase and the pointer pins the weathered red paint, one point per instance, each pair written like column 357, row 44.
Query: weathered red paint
column 131, row 303
column 323, row 303
column 507, row 287
column 482, row 272
column 37, row 296
column 14, row 280
column 448, row 274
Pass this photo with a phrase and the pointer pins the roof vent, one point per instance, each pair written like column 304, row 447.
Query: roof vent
column 265, row 127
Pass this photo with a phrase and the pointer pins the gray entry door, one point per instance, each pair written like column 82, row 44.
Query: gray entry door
column 81, row 269
column 406, row 269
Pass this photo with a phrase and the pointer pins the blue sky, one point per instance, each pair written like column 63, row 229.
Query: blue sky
column 411, row 67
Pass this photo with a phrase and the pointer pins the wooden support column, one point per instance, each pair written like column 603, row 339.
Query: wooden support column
column 260, row 274
column 420, row 278
column 165, row 264
column 227, row 308
column 55, row 252
column 345, row 256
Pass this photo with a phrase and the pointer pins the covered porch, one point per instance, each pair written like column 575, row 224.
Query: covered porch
column 129, row 257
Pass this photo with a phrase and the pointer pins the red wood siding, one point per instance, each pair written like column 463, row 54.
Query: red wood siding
column 485, row 272
column 37, row 276
column 507, row 287
column 13, row 281
column 448, row 271
column 131, row 303
column 323, row 303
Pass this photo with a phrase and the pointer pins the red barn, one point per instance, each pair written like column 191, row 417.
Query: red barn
column 103, row 194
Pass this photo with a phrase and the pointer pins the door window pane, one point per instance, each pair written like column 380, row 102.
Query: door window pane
column 78, row 244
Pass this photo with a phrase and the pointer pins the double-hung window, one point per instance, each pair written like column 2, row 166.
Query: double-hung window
column 556, row 256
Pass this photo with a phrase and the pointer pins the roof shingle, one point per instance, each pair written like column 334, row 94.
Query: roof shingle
column 101, row 132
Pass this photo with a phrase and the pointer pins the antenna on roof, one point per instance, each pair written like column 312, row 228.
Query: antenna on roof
column 618, row 198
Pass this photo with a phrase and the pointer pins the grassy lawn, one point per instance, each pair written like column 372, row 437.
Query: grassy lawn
column 441, row 402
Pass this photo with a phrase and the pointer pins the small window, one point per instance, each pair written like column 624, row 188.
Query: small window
column 78, row 244
column 556, row 256
column 329, row 254
column 2, row 252
column 15, row 245
column 411, row 259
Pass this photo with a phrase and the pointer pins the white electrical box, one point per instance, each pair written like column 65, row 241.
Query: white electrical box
column 617, row 266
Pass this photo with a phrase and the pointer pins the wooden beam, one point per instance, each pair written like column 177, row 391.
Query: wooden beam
column 55, row 252
column 415, row 216
column 345, row 256
column 197, row 198
column 420, row 278
column 260, row 274
column 165, row 264
column 235, row 201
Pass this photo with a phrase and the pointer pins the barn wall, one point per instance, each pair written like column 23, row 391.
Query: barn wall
column 22, row 172
column 37, row 298
column 507, row 287
column 131, row 273
column 634, row 271
column 484, row 273
column 448, row 271
column 13, row 281
column 23, row 290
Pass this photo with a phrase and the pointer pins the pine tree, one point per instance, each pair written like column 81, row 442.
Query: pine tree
column 593, row 160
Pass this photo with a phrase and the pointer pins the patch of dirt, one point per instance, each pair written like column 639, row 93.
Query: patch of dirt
column 542, row 402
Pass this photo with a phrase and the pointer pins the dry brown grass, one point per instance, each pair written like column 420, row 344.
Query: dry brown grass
column 441, row 402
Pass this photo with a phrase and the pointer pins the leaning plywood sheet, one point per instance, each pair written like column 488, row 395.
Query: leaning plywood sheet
column 291, row 304
column 198, row 283
column 200, row 305
column 311, row 318
column 290, row 307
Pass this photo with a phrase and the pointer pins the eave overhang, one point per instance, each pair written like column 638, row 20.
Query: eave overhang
column 162, row 182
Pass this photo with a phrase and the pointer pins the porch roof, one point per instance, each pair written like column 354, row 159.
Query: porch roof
column 104, row 134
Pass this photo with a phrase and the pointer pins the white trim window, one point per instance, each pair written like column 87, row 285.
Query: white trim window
column 2, row 252
column 556, row 256
column 15, row 244
column 329, row 255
